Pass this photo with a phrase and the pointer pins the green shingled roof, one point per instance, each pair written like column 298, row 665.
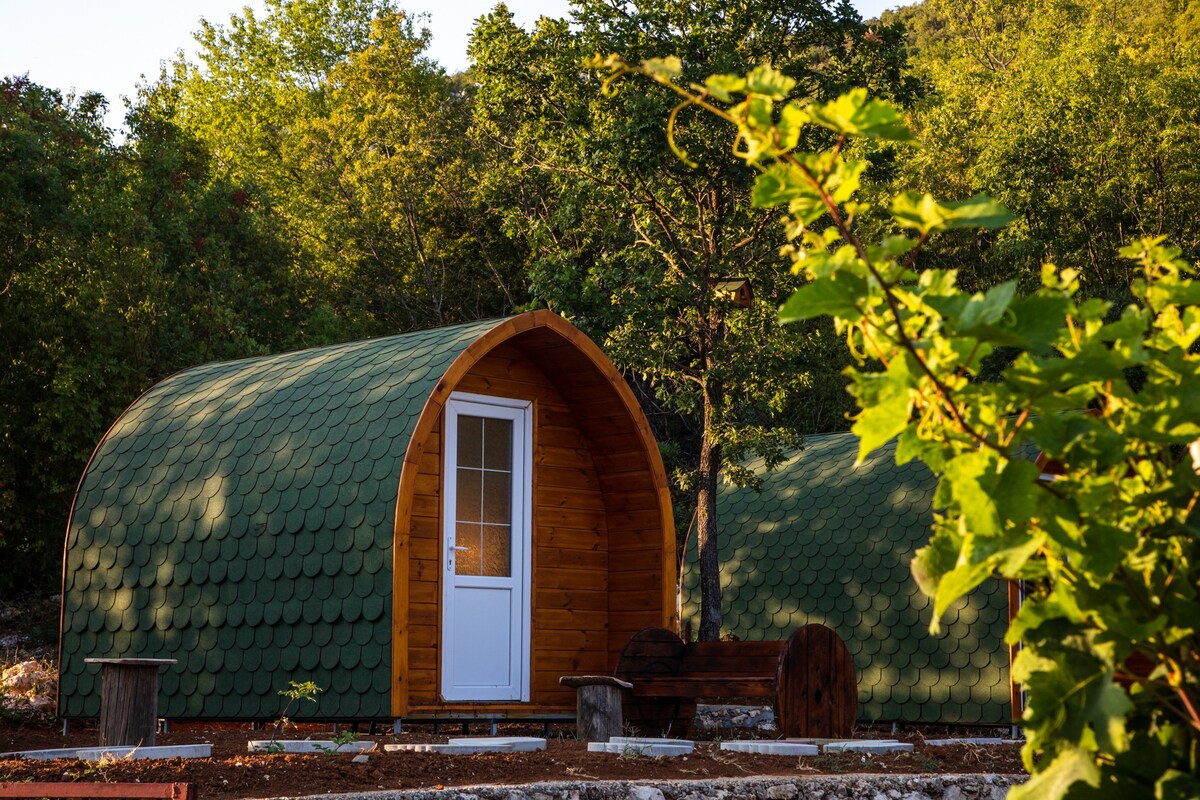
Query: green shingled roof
column 239, row 518
column 830, row 542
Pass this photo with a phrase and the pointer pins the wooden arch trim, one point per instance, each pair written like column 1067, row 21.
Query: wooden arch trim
column 431, row 412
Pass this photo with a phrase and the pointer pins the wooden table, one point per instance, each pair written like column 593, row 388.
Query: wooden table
column 129, row 699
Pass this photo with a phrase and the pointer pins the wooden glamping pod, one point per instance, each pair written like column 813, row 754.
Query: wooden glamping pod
column 440, row 523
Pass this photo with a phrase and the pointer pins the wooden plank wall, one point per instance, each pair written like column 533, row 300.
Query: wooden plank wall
column 635, row 528
column 570, row 633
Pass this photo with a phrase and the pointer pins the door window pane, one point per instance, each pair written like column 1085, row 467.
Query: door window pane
column 469, row 495
column 497, row 551
column 497, row 444
column 497, row 497
column 470, row 441
column 468, row 560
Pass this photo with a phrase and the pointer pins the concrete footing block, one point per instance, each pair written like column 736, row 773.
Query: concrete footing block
column 101, row 753
column 970, row 740
column 868, row 746
column 517, row 744
column 651, row 740
column 771, row 748
column 307, row 746
column 469, row 746
column 643, row 746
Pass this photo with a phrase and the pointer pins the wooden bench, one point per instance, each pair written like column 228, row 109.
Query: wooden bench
column 132, row 791
column 809, row 681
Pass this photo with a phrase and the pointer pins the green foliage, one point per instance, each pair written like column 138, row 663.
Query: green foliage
column 631, row 243
column 1077, row 115
column 358, row 141
column 1107, row 544
column 120, row 265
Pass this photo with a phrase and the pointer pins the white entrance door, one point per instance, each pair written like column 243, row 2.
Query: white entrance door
column 487, row 469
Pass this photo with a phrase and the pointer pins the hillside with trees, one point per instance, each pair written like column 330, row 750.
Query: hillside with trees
column 312, row 176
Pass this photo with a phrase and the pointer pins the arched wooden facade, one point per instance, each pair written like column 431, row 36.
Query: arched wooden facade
column 285, row 518
column 601, row 508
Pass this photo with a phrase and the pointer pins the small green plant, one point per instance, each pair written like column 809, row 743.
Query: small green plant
column 295, row 692
column 831, row 762
column 345, row 737
column 339, row 739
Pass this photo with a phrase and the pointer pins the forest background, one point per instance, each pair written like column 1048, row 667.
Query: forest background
column 312, row 177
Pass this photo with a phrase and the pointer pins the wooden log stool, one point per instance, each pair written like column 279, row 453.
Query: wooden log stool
column 597, row 705
column 129, row 699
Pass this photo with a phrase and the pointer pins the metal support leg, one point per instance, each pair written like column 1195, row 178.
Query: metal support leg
column 492, row 728
column 397, row 728
column 66, row 727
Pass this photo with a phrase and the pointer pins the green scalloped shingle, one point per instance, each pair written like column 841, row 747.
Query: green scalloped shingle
column 231, row 514
column 826, row 541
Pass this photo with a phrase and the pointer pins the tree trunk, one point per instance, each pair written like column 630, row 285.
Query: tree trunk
column 706, row 518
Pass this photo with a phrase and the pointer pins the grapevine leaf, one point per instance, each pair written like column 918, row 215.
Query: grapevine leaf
column 834, row 295
column 769, row 82
column 1071, row 765
column 853, row 114
column 723, row 87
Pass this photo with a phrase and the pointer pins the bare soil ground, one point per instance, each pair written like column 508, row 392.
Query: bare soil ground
column 28, row 629
column 232, row 773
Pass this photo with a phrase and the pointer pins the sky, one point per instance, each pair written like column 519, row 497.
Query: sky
column 107, row 46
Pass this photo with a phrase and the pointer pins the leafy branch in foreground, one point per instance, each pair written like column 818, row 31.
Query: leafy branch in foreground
column 1102, row 528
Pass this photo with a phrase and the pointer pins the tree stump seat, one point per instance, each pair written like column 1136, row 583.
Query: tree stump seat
column 597, row 705
column 809, row 680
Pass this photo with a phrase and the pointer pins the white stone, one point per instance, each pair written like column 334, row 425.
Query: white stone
column 979, row 740
column 307, row 746
column 868, row 746
column 782, row 791
column 363, row 759
column 520, row 744
column 645, row 793
column 771, row 748
column 101, row 753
